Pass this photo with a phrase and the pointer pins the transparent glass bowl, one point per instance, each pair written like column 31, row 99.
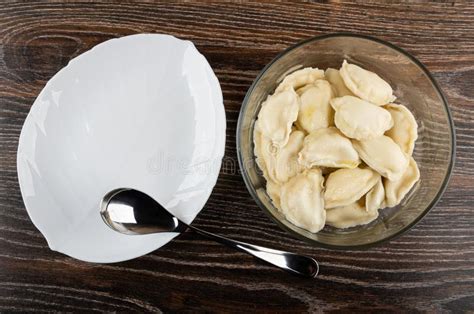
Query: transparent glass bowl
column 414, row 87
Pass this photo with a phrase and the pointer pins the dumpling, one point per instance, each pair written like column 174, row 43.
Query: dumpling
column 333, row 76
column 328, row 148
column 359, row 119
column 395, row 190
column 375, row 197
column 268, row 155
column 277, row 115
column 273, row 190
column 405, row 129
column 383, row 155
column 367, row 85
column 280, row 163
column 346, row 186
column 286, row 159
column 257, row 141
column 315, row 111
column 350, row 215
column 302, row 201
column 300, row 78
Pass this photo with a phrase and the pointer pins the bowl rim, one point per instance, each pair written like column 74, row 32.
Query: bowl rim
column 432, row 204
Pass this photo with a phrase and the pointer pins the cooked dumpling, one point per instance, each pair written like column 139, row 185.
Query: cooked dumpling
column 375, row 197
column 257, row 150
column 302, row 201
column 359, row 119
column 277, row 115
column 333, row 76
column 300, row 78
column 383, row 155
column 315, row 111
column 328, row 148
column 395, row 190
column 273, row 190
column 286, row 158
column 268, row 158
column 266, row 153
column 346, row 186
column 367, row 85
column 280, row 163
column 350, row 215
column 405, row 129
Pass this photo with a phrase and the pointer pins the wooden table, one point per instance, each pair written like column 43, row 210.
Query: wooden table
column 430, row 268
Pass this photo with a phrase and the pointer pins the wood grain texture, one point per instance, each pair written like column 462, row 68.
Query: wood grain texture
column 429, row 269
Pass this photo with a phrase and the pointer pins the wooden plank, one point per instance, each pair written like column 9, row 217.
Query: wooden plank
column 430, row 268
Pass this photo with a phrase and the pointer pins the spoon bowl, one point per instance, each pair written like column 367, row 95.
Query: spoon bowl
column 133, row 212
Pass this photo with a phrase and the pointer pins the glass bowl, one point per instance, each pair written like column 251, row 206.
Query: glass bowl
column 414, row 87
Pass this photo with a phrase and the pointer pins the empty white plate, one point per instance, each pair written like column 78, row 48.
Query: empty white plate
column 142, row 111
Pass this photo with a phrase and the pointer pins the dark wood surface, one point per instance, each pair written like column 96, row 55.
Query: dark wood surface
column 430, row 268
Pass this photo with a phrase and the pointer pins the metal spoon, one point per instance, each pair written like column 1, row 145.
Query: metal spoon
column 133, row 212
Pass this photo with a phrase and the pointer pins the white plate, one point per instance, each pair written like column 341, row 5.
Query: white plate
column 142, row 111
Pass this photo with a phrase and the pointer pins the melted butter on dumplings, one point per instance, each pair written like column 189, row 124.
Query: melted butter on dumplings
column 328, row 148
column 383, row 155
column 405, row 129
column 334, row 77
column 367, row 85
column 300, row 78
column 346, row 186
column 315, row 111
column 350, row 215
column 277, row 115
column 302, row 201
column 359, row 119
column 395, row 190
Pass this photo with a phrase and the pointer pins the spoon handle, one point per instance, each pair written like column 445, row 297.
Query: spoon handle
column 296, row 264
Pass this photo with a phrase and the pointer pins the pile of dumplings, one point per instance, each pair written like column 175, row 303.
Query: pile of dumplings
column 334, row 148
